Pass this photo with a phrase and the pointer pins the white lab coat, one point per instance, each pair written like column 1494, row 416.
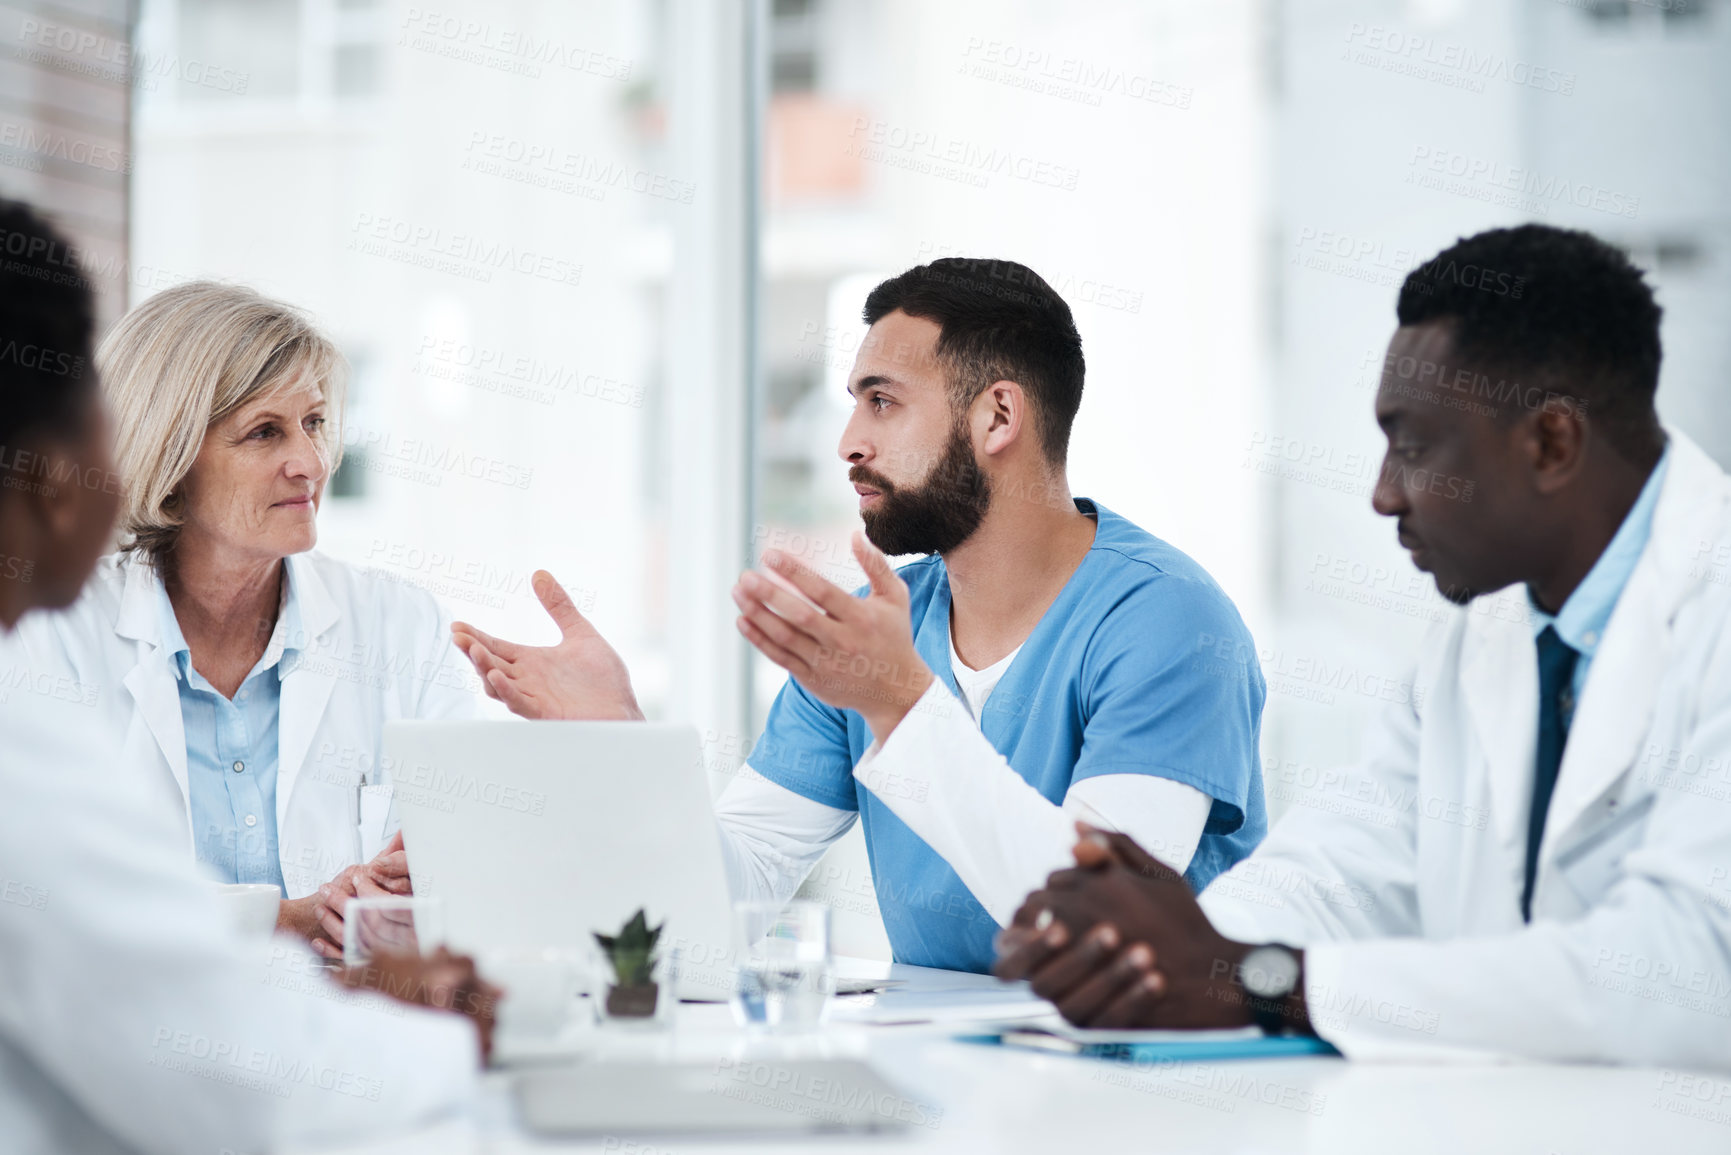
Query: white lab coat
column 131, row 1019
column 1403, row 882
column 373, row 649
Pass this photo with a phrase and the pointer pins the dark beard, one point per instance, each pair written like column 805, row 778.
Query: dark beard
column 938, row 515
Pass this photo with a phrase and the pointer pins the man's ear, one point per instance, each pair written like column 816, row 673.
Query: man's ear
column 1557, row 440
column 1001, row 416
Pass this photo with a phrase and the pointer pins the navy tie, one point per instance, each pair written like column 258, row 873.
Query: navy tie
column 1556, row 705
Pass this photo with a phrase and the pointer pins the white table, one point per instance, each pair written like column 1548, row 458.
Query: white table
column 996, row 1099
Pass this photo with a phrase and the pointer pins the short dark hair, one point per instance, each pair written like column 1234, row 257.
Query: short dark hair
column 47, row 323
column 1559, row 305
column 997, row 321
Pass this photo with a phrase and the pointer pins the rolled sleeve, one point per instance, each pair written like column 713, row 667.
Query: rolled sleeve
column 1179, row 696
column 805, row 748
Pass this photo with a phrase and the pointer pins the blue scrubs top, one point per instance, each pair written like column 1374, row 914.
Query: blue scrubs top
column 1141, row 666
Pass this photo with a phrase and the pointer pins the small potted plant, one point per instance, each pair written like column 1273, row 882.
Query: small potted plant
column 631, row 954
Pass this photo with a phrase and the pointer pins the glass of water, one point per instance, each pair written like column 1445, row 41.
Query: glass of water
column 391, row 926
column 786, row 974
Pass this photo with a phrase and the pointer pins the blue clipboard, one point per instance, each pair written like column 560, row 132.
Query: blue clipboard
column 1163, row 1052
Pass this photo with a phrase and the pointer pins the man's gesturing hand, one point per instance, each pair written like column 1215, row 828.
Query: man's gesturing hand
column 1121, row 942
column 580, row 678
column 853, row 653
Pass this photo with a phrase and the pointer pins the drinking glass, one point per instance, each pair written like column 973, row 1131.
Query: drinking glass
column 393, row 925
column 786, row 974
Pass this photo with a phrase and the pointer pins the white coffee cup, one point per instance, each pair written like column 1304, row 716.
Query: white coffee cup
column 251, row 907
column 541, row 988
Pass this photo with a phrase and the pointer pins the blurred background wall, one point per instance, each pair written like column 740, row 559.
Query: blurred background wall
column 598, row 268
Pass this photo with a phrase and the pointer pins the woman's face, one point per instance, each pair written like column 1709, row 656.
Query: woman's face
column 254, row 490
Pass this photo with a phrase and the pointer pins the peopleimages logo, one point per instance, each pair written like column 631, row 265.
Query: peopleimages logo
column 42, row 359
column 81, row 52
column 223, row 1061
column 53, row 145
column 430, row 461
column 553, row 160
column 465, row 254
column 507, row 49
column 1513, row 186
column 23, row 894
column 937, row 154
column 1066, row 77
column 801, row 1092
column 1455, row 65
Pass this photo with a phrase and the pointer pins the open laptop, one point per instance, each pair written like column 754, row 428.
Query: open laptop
column 537, row 834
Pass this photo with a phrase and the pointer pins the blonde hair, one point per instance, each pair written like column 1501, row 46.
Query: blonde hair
column 180, row 363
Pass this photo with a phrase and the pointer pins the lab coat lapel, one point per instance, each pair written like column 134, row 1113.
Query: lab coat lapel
column 1500, row 685
column 307, row 685
column 150, row 681
column 1616, row 707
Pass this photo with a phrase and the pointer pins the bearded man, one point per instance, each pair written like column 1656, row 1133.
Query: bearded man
column 1114, row 679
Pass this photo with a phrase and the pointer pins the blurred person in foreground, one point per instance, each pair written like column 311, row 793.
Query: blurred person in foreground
column 1543, row 871
column 246, row 676
column 131, row 1017
column 1065, row 642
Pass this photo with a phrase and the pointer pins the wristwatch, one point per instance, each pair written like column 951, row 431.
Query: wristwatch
column 1268, row 975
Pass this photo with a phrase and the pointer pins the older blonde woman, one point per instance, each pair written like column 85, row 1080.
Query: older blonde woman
column 249, row 676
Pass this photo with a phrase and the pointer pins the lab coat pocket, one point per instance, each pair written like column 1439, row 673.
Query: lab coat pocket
column 375, row 828
column 1593, row 865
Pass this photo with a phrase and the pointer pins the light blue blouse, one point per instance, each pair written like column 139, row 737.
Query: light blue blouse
column 231, row 751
